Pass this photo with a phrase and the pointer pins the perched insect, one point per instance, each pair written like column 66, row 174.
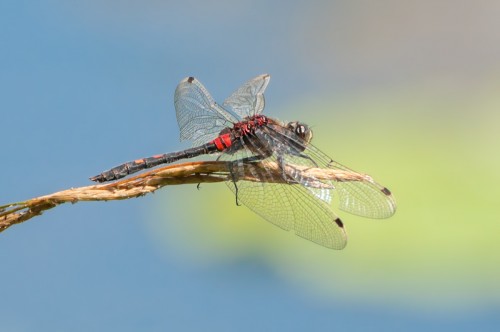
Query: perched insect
column 239, row 133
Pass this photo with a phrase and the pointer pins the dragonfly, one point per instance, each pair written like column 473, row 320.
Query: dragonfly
column 251, row 142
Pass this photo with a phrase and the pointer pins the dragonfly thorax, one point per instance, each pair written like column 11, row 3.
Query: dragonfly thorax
column 249, row 125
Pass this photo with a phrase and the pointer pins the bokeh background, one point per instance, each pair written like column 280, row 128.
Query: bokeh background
column 406, row 91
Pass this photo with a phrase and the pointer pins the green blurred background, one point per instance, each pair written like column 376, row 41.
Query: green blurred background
column 434, row 149
column 404, row 91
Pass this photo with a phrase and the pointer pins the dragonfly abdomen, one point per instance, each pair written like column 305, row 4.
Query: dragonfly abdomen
column 222, row 142
column 130, row 167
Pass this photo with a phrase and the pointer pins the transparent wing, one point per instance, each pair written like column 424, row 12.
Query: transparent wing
column 288, row 148
column 199, row 117
column 288, row 206
column 248, row 100
column 365, row 198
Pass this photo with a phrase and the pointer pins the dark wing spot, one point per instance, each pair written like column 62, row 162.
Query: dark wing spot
column 386, row 192
column 190, row 79
column 339, row 223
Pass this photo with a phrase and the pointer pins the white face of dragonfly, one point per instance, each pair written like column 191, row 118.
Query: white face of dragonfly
column 302, row 130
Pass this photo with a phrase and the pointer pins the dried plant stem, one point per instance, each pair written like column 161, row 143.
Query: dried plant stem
column 150, row 181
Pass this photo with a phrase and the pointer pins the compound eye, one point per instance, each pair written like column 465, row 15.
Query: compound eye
column 301, row 130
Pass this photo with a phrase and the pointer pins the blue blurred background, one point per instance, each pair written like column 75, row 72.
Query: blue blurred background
column 404, row 91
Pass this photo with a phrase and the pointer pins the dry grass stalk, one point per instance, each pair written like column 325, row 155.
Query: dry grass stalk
column 150, row 181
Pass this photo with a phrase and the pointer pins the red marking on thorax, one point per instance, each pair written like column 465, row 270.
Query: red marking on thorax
column 248, row 127
column 240, row 129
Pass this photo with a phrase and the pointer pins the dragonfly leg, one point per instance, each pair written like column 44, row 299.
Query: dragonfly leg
column 305, row 156
column 234, row 180
column 236, row 194
column 287, row 177
column 252, row 159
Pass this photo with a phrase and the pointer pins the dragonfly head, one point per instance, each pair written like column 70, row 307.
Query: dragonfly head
column 302, row 130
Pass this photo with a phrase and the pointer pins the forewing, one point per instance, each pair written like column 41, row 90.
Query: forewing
column 199, row 117
column 364, row 197
column 248, row 100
